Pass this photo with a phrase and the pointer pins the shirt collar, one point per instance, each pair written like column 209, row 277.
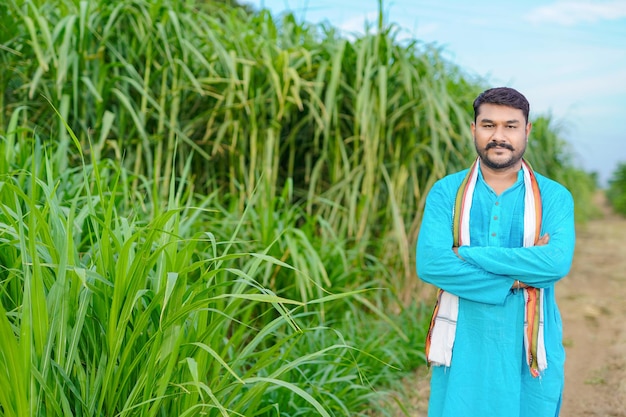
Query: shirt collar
column 519, row 181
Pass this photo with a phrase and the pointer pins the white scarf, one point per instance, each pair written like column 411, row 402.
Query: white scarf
column 444, row 323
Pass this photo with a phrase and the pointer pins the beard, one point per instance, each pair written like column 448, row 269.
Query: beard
column 515, row 156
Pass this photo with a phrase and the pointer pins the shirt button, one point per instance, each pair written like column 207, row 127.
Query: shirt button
column 497, row 203
column 495, row 217
column 493, row 234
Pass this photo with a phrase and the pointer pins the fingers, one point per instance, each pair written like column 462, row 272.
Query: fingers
column 519, row 285
column 543, row 240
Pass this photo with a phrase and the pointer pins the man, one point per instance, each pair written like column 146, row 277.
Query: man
column 495, row 239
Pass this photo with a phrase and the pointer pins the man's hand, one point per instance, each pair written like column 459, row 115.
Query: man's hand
column 543, row 240
column 519, row 285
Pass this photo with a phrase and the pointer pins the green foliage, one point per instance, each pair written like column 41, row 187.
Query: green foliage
column 616, row 192
column 360, row 129
column 552, row 156
column 104, row 312
column 207, row 210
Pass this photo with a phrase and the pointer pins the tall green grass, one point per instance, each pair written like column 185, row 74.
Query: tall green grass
column 360, row 129
column 551, row 155
column 104, row 312
column 231, row 213
column 616, row 192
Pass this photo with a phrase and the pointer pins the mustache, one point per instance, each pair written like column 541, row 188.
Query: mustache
column 499, row 145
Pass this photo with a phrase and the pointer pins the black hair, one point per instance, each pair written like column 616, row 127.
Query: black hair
column 504, row 96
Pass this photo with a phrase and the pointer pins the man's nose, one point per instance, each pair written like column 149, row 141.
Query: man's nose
column 498, row 133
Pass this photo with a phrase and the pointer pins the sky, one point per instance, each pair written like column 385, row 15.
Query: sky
column 568, row 57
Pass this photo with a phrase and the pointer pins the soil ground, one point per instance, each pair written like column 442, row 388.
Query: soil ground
column 592, row 301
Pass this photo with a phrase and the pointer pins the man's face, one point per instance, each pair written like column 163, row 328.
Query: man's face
column 500, row 135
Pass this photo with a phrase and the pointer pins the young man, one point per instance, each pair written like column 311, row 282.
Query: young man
column 494, row 239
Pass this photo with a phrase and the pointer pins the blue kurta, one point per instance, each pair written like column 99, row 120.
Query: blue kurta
column 488, row 375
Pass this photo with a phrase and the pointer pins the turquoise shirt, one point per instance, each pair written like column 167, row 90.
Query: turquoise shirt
column 488, row 374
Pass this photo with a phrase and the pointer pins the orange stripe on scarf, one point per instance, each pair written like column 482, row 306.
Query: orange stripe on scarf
column 533, row 294
column 532, row 331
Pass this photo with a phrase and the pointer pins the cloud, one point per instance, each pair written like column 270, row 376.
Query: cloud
column 568, row 13
column 356, row 24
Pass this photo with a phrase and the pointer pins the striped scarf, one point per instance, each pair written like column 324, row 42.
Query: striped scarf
column 441, row 334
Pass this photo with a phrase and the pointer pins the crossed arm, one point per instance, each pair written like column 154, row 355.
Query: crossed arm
column 486, row 274
column 517, row 284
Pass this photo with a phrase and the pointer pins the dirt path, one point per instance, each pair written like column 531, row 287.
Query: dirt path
column 592, row 301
